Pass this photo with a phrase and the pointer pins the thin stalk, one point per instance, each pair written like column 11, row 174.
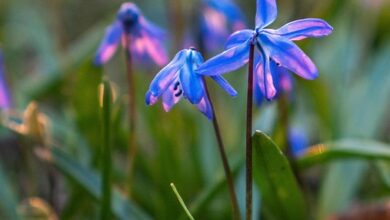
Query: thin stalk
column 181, row 201
column 225, row 163
column 131, row 109
column 106, row 152
column 249, row 162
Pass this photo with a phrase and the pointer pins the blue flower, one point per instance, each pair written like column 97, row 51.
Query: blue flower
column 178, row 79
column 218, row 19
column 5, row 101
column 273, row 49
column 145, row 38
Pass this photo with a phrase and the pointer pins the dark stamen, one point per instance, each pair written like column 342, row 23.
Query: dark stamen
column 179, row 93
column 176, row 86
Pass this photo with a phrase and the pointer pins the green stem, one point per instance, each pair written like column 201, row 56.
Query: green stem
column 225, row 163
column 131, row 111
column 249, row 159
column 106, row 151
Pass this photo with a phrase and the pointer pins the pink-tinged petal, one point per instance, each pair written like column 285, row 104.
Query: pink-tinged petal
column 266, row 12
column 171, row 97
column 150, row 99
column 304, row 28
column 264, row 77
column 288, row 55
column 238, row 38
column 166, row 76
column 205, row 107
column 146, row 42
column 109, row 43
column 227, row 61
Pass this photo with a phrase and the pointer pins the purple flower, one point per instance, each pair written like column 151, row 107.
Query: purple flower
column 273, row 49
column 144, row 37
column 5, row 101
column 178, row 79
column 218, row 19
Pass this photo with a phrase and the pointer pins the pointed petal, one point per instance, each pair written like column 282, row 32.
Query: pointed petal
column 205, row 107
column 264, row 77
column 238, row 38
column 192, row 83
column 257, row 94
column 225, row 85
column 227, row 61
column 146, row 43
column 289, row 55
column 167, row 75
column 5, row 100
column 109, row 43
column 171, row 96
column 304, row 28
column 266, row 12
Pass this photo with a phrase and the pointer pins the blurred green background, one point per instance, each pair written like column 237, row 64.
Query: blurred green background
column 48, row 47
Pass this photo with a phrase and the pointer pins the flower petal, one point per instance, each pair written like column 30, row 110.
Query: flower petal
column 227, row 61
column 166, row 76
column 146, row 43
column 192, row 83
column 304, row 28
column 238, row 37
column 225, row 85
column 109, row 43
column 264, row 77
column 257, row 94
column 5, row 100
column 171, row 96
column 266, row 12
column 205, row 107
column 289, row 55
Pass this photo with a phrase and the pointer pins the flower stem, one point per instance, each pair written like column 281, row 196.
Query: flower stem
column 131, row 109
column 225, row 163
column 249, row 166
column 106, row 152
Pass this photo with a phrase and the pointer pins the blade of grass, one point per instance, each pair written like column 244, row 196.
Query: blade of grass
column 181, row 201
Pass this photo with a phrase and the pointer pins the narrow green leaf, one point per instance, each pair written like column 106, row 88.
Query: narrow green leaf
column 344, row 149
column 181, row 201
column 106, row 99
column 91, row 182
column 282, row 197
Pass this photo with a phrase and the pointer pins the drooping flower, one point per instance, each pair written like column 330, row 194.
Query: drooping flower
column 178, row 79
column 273, row 49
column 5, row 101
column 218, row 19
column 145, row 39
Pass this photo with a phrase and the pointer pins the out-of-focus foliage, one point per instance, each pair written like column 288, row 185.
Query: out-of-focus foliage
column 48, row 46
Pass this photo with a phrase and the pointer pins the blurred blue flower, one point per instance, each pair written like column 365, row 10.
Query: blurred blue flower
column 298, row 141
column 145, row 38
column 5, row 101
column 178, row 79
column 218, row 19
column 273, row 49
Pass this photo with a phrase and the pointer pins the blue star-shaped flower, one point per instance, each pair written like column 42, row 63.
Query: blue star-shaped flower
column 273, row 49
column 178, row 79
column 145, row 38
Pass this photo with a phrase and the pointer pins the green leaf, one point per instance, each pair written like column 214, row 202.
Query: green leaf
column 282, row 197
column 91, row 182
column 345, row 149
